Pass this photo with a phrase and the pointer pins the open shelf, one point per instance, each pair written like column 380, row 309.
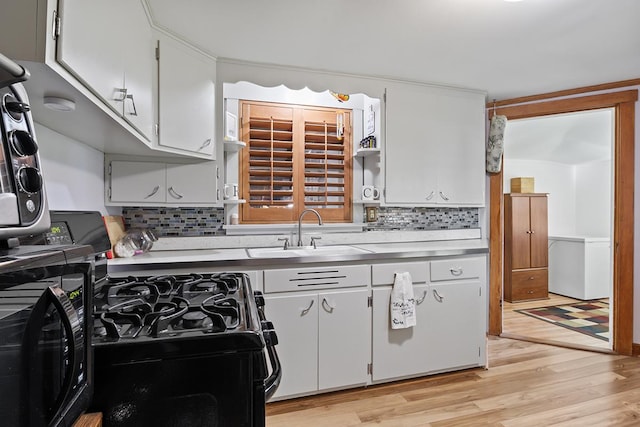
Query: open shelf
column 232, row 146
column 364, row 152
column 366, row 202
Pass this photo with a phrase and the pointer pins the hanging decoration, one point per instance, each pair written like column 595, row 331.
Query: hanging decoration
column 342, row 97
column 495, row 142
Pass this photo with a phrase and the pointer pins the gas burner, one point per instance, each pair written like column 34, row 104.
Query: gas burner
column 169, row 305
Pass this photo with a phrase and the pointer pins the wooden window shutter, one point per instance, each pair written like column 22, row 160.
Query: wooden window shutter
column 296, row 158
column 327, row 163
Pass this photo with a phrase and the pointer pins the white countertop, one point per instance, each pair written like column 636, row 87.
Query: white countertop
column 199, row 252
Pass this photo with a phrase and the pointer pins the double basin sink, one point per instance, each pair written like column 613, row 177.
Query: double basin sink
column 303, row 251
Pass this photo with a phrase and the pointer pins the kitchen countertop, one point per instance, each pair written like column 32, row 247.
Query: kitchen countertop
column 238, row 257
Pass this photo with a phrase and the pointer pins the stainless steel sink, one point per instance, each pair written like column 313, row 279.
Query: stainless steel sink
column 302, row 251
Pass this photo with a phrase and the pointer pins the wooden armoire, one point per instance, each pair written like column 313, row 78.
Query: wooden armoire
column 526, row 252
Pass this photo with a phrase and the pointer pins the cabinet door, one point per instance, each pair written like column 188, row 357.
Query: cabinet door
column 460, row 140
column 344, row 339
column 91, row 46
column 410, row 151
column 186, row 99
column 191, row 183
column 520, row 231
column 139, row 62
column 456, row 322
column 295, row 318
column 137, row 182
column 400, row 352
column 538, row 235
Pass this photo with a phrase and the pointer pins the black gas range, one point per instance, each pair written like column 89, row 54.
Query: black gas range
column 182, row 350
column 177, row 350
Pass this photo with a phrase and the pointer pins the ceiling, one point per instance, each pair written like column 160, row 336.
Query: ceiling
column 572, row 139
column 508, row 49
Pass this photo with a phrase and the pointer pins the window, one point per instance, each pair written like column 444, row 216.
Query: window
column 297, row 157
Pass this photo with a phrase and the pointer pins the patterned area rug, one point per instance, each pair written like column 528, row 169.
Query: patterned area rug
column 587, row 317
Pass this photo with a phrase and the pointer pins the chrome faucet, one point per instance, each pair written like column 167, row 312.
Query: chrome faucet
column 304, row 212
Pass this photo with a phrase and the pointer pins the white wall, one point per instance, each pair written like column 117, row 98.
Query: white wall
column 594, row 199
column 558, row 180
column 73, row 173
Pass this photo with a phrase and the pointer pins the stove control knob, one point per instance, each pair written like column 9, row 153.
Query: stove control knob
column 30, row 180
column 22, row 142
column 16, row 109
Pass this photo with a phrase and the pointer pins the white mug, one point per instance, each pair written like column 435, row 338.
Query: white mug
column 369, row 192
column 231, row 191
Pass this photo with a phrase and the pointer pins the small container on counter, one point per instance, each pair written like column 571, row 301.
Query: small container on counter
column 134, row 242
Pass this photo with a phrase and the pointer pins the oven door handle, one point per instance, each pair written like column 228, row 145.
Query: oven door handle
column 72, row 326
column 272, row 382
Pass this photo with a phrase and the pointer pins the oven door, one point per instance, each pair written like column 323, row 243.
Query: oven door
column 44, row 352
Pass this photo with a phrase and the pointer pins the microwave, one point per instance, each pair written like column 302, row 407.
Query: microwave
column 45, row 349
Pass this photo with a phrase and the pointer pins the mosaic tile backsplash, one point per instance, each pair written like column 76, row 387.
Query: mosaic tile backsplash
column 185, row 222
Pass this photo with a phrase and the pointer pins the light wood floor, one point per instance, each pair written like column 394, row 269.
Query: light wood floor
column 527, row 384
column 519, row 324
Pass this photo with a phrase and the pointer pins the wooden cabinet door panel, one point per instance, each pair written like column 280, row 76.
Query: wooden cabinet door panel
column 539, row 239
column 520, row 244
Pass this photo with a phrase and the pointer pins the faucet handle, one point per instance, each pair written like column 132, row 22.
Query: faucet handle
column 313, row 241
column 286, row 242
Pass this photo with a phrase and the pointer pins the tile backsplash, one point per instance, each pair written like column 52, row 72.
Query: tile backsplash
column 185, row 222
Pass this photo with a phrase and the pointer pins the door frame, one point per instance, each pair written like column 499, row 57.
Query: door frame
column 623, row 103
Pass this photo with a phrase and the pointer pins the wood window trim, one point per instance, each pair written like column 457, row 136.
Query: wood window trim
column 623, row 103
column 315, row 149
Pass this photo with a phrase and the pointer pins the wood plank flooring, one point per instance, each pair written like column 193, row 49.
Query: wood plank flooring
column 527, row 384
column 518, row 324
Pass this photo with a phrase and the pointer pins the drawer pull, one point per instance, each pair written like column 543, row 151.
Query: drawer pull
column 530, row 291
column 421, row 300
column 437, row 296
column 306, row 310
column 532, row 278
column 457, row 271
column 326, row 304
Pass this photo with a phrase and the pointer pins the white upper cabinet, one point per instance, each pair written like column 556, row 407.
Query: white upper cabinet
column 434, row 150
column 108, row 45
column 186, row 97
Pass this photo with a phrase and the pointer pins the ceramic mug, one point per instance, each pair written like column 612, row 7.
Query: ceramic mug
column 369, row 192
column 231, row 191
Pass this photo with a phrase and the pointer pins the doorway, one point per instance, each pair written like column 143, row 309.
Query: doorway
column 568, row 158
column 623, row 103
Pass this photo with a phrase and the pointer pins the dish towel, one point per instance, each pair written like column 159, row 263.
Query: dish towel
column 403, row 306
column 495, row 143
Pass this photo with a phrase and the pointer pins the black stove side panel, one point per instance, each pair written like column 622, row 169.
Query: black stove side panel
column 217, row 390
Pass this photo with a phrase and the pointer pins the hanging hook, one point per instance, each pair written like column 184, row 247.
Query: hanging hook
column 494, row 107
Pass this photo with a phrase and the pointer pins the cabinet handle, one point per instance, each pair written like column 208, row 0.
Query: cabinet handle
column 430, row 196
column 153, row 192
column 123, row 94
column 530, row 291
column 174, row 193
column 306, row 310
column 532, row 232
column 421, row 300
column 457, row 271
column 437, row 296
column 326, row 304
column 532, row 278
column 133, row 104
column 443, row 196
column 205, row 144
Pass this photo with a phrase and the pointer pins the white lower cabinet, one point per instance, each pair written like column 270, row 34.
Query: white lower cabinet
column 451, row 321
column 323, row 339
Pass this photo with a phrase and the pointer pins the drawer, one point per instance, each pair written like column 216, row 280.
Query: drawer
column 305, row 279
column 384, row 274
column 529, row 284
column 456, row 269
